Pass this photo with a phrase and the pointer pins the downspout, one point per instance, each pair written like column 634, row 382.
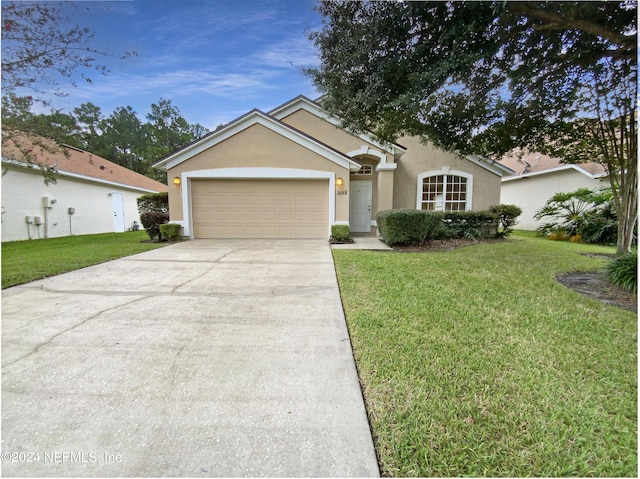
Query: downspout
column 46, row 222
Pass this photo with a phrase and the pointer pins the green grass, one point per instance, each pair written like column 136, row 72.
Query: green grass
column 477, row 362
column 24, row 261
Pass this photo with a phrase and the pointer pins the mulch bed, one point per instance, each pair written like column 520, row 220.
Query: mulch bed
column 595, row 285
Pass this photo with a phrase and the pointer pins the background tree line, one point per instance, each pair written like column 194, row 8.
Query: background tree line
column 121, row 137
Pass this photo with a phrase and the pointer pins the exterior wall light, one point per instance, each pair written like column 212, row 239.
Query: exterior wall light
column 339, row 181
column 176, row 180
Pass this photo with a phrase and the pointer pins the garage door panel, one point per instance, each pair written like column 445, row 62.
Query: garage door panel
column 260, row 208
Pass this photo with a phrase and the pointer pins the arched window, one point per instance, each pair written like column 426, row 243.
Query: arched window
column 444, row 190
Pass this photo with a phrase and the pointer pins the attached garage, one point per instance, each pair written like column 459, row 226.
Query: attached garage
column 260, row 208
column 258, row 177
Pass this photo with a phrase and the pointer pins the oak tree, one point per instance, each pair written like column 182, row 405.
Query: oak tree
column 491, row 77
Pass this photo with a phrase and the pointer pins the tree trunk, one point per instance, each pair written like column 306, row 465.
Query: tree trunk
column 627, row 210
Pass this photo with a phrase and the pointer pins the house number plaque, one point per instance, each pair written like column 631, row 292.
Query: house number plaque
column 341, row 192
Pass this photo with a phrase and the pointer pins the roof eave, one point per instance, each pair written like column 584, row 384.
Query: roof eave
column 488, row 164
column 313, row 107
column 70, row 174
column 253, row 117
column 555, row 170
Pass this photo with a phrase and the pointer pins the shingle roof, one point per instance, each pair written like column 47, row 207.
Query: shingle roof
column 530, row 163
column 67, row 159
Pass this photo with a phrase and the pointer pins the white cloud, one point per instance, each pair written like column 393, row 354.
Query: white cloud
column 295, row 51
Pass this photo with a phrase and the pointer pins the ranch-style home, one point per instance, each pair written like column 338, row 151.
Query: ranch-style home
column 91, row 194
column 294, row 172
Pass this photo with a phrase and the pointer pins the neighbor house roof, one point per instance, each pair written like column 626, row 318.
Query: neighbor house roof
column 73, row 162
column 533, row 164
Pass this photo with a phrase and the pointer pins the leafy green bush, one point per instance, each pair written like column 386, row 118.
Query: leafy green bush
column 340, row 232
column 507, row 216
column 411, row 227
column 154, row 211
column 153, row 202
column 623, row 271
column 151, row 221
column 436, row 229
column 471, row 224
column 170, row 230
column 403, row 226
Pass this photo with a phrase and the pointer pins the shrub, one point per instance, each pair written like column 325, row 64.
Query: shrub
column 170, row 231
column 507, row 216
column 588, row 213
column 558, row 234
column 151, row 221
column 436, row 228
column 471, row 224
column 411, row 227
column 403, row 226
column 623, row 271
column 340, row 232
column 154, row 211
column 153, row 202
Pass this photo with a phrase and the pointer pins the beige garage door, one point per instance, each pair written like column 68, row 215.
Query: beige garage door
column 260, row 208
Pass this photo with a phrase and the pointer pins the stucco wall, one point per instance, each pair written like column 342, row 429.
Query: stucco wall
column 421, row 158
column 22, row 192
column 256, row 146
column 328, row 133
column 531, row 193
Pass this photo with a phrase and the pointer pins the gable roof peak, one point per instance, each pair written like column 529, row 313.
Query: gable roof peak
column 255, row 116
column 302, row 102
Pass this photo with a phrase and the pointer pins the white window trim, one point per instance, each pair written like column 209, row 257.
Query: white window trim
column 449, row 172
column 252, row 173
column 369, row 167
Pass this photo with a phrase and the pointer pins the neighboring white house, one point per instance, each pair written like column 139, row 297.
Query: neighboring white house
column 91, row 195
column 538, row 177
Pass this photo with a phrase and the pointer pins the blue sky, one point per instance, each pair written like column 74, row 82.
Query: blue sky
column 214, row 59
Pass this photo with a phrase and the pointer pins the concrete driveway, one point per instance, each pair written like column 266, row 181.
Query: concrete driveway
column 204, row 358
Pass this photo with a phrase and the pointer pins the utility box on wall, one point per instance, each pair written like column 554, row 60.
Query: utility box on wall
column 48, row 202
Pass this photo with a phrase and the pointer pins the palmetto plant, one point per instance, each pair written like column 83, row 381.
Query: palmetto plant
column 588, row 213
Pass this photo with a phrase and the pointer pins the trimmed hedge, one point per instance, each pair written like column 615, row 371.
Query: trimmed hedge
column 413, row 227
column 403, row 227
column 340, row 232
column 170, row 230
column 471, row 224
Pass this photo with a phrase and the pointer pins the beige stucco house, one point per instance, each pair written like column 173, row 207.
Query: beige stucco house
column 294, row 172
column 537, row 177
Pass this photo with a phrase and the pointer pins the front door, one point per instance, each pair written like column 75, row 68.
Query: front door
column 360, row 207
column 117, row 204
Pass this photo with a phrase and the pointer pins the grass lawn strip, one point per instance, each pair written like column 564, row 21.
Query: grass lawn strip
column 478, row 362
column 25, row 261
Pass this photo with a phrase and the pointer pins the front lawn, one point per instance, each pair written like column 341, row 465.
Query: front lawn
column 24, row 261
column 478, row 362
